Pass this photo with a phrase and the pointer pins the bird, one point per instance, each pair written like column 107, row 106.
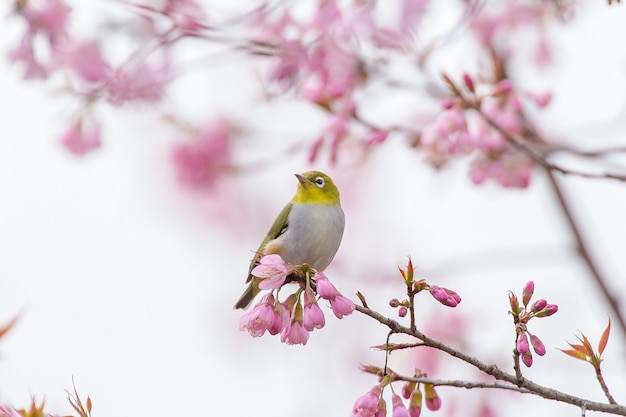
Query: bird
column 307, row 230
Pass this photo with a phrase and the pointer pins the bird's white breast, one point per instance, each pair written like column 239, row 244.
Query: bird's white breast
column 313, row 235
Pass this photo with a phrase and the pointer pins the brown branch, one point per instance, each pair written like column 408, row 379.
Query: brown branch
column 581, row 247
column 605, row 387
column 494, row 370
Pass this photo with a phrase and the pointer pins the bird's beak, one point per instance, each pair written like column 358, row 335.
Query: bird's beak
column 303, row 180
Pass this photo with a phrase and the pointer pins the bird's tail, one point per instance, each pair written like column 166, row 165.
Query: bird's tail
column 248, row 295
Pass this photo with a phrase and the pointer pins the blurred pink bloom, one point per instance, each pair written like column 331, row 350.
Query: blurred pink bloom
column 294, row 334
column 84, row 58
column 399, row 409
column 49, row 18
column 376, row 136
column 187, row 15
column 312, row 316
column 410, row 15
column 272, row 270
column 537, row 345
column 9, row 412
column 139, row 81
column 511, row 170
column 367, row 404
column 445, row 296
column 80, row 140
column 205, row 157
column 25, row 55
column 541, row 99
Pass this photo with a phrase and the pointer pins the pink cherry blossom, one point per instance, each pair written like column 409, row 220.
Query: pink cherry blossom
column 80, row 138
column 262, row 317
column 24, row 54
column 139, row 81
column 272, row 270
column 341, row 306
column 367, row 404
column 398, row 407
column 433, row 401
column 84, row 58
column 49, row 17
column 312, row 317
column 207, row 155
column 294, row 334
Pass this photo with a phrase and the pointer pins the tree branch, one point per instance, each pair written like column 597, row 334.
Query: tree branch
column 494, row 370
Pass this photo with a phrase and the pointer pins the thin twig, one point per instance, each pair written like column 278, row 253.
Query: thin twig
column 494, row 370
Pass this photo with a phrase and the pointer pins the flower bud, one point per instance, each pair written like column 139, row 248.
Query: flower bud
column 522, row 343
column 394, row 302
column 469, row 82
column 407, row 389
column 527, row 358
column 548, row 310
column 402, row 311
column 433, row 402
column 415, row 403
column 538, row 345
column 538, row 306
column 514, row 304
column 527, row 292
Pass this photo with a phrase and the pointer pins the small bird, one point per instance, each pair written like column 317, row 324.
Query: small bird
column 307, row 230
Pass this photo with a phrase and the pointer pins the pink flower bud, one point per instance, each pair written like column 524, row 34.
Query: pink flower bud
column 548, row 310
column 445, row 296
column 433, row 402
column 541, row 99
column 527, row 359
column 415, row 404
column 522, row 343
column 503, row 87
column 469, row 82
column 312, row 315
column 407, row 389
column 325, row 288
column 527, row 292
column 394, row 302
column 538, row 345
column 538, row 305
column 402, row 311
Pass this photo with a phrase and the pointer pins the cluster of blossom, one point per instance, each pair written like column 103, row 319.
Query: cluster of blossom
column 372, row 403
column 324, row 60
column 480, row 125
column 522, row 315
column 299, row 313
column 48, row 47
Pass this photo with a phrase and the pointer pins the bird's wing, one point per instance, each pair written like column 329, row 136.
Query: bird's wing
column 279, row 227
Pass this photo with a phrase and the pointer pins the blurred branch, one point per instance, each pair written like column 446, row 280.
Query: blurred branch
column 581, row 247
column 522, row 385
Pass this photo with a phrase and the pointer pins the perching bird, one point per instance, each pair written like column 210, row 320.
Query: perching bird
column 307, row 230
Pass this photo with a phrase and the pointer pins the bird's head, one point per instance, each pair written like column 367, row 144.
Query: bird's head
column 315, row 187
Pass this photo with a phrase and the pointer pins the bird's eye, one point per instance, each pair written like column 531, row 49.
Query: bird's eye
column 319, row 181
